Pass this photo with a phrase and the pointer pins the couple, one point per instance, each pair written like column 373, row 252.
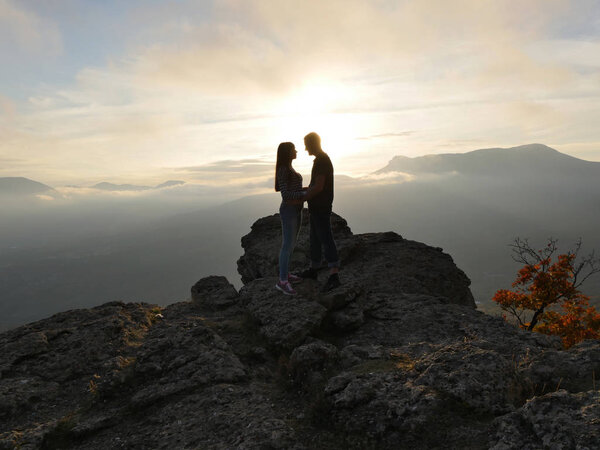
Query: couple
column 319, row 195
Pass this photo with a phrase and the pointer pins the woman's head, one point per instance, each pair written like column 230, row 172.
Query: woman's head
column 286, row 153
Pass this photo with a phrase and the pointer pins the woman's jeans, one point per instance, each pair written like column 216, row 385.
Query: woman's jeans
column 321, row 240
column 291, row 218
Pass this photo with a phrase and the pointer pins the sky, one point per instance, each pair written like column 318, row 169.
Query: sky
column 145, row 90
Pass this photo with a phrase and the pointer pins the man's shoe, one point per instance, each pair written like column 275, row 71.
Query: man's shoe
column 309, row 273
column 332, row 282
column 285, row 287
column 294, row 278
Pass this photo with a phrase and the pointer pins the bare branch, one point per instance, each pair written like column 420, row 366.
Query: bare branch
column 591, row 264
column 523, row 252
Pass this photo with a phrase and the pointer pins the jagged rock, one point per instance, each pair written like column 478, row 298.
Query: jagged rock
column 214, row 292
column 347, row 319
column 395, row 358
column 182, row 356
column 555, row 421
column 49, row 375
column 340, row 297
column 284, row 321
column 314, row 357
column 482, row 379
column 378, row 409
column 44, row 385
column 353, row 354
column 576, row 369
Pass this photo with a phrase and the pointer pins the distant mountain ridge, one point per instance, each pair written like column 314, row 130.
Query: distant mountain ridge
column 523, row 159
column 22, row 186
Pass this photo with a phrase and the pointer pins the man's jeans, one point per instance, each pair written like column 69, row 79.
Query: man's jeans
column 291, row 218
column 321, row 238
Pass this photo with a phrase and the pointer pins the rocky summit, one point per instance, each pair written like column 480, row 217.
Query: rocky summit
column 398, row 357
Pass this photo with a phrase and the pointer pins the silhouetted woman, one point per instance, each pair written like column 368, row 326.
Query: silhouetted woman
column 289, row 183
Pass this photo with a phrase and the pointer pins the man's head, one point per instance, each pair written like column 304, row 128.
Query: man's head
column 312, row 142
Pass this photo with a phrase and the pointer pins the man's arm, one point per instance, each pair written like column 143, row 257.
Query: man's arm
column 315, row 188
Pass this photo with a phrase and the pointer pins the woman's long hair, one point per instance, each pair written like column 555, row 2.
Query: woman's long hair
column 284, row 153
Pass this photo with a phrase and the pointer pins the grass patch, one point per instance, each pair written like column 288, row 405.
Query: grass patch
column 396, row 361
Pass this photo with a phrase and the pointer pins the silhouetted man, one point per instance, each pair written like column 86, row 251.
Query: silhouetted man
column 320, row 200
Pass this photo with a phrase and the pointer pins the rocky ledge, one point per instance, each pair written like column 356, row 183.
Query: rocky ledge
column 396, row 358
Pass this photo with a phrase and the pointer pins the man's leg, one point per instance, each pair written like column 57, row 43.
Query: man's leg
column 321, row 222
column 323, row 231
column 315, row 242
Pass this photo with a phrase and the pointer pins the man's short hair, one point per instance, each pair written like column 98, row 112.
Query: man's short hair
column 314, row 139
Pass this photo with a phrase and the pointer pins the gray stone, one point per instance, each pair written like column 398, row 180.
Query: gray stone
column 482, row 379
column 284, row 321
column 316, row 356
column 347, row 319
column 558, row 420
column 214, row 292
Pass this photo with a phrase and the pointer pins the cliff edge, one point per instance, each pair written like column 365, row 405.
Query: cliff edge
column 398, row 358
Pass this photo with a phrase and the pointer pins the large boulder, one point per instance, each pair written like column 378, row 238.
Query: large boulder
column 379, row 262
column 214, row 292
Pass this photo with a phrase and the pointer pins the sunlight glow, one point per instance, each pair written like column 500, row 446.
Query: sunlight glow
column 316, row 108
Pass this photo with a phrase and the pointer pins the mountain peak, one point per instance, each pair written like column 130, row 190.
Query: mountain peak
column 21, row 186
column 493, row 161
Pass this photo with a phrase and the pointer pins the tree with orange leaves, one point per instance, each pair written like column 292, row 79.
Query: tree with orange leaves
column 550, row 290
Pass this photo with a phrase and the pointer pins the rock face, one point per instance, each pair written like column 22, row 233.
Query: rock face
column 395, row 358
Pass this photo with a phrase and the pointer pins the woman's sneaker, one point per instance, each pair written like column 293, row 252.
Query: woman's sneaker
column 294, row 278
column 285, row 287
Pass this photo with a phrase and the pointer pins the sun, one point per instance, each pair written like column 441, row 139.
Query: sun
column 318, row 108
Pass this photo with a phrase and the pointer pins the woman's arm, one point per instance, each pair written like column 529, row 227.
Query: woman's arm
column 288, row 192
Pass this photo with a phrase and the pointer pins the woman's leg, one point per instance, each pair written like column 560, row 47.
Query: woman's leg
column 297, row 224
column 289, row 230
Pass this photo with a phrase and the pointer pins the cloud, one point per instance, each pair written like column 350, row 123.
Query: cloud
column 251, row 165
column 273, row 47
column 192, row 88
column 248, row 173
column 8, row 109
column 23, row 30
column 580, row 54
column 385, row 135
column 391, row 177
column 43, row 197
